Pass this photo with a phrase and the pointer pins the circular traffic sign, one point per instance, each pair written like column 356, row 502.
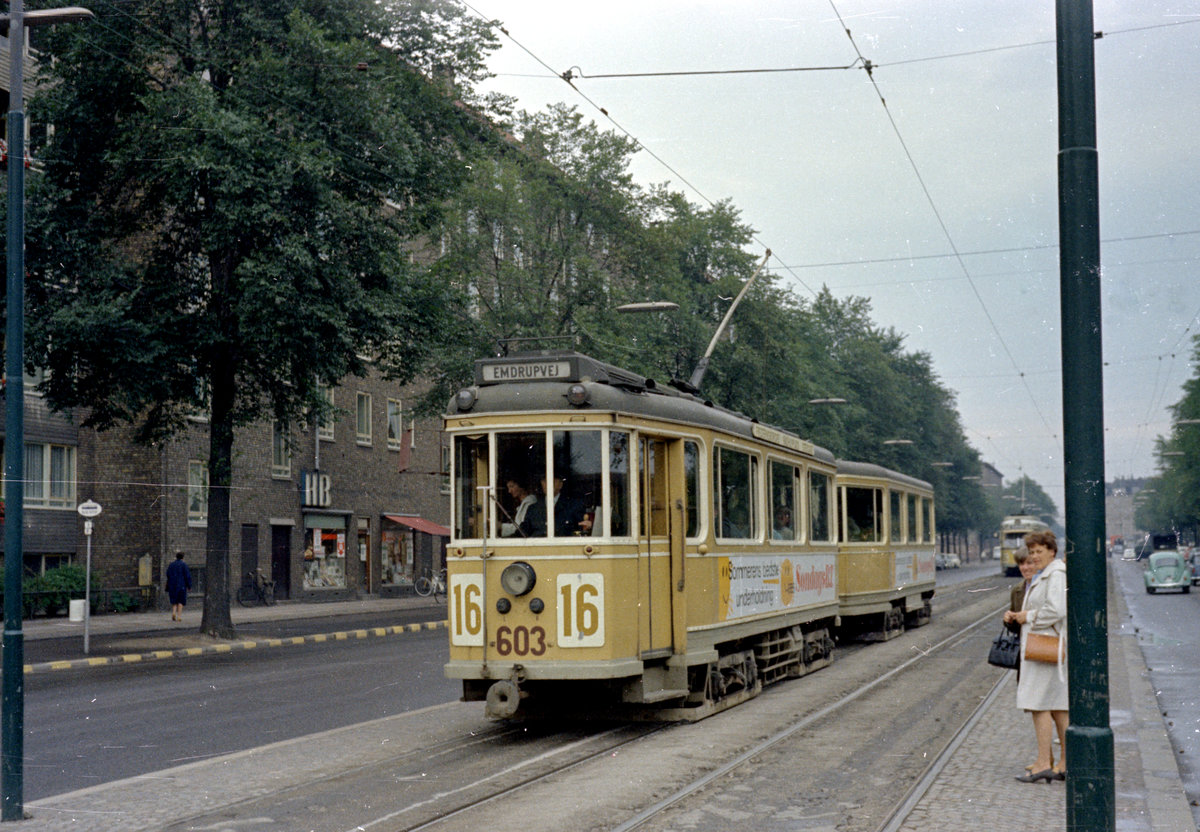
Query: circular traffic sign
column 89, row 509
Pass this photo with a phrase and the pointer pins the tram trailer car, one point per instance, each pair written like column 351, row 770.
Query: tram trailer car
column 886, row 567
column 1012, row 537
column 618, row 545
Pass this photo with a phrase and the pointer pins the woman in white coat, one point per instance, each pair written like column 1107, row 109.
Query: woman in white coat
column 1042, row 687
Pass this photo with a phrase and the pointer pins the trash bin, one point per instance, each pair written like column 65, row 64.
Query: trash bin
column 76, row 610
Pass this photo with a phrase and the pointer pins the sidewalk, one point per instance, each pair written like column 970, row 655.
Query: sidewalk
column 974, row 789
column 153, row 635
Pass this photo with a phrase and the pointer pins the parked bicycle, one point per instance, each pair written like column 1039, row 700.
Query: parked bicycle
column 256, row 588
column 431, row 584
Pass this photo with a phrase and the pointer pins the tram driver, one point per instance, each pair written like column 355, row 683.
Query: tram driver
column 523, row 498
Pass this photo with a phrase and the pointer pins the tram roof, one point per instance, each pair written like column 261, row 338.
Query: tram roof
column 529, row 382
column 852, row 468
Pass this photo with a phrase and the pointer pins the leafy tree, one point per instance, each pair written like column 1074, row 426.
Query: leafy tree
column 1172, row 499
column 1025, row 496
column 226, row 199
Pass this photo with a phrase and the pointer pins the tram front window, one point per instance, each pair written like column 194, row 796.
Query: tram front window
column 577, row 478
column 521, row 470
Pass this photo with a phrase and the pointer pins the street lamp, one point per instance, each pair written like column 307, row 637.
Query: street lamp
column 827, row 401
column 897, row 441
column 12, row 709
column 649, row 306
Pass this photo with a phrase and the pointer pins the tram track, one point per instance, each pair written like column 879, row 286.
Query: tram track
column 465, row 773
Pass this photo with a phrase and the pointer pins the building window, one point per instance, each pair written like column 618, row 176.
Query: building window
column 325, row 425
column 362, row 431
column 281, row 454
column 395, row 424
column 444, row 477
column 49, row 476
column 197, row 493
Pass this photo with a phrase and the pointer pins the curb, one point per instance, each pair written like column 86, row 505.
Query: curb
column 231, row 647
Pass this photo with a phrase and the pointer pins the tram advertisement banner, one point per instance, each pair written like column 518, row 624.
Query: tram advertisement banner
column 914, row 567
column 754, row 584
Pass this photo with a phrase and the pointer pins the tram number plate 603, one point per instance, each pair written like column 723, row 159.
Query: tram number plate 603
column 521, row 640
column 466, row 610
column 580, row 603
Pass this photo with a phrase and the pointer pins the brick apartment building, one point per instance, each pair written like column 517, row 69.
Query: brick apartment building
column 354, row 508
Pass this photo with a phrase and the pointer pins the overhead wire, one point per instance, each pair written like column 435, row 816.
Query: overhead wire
column 940, row 220
column 637, row 142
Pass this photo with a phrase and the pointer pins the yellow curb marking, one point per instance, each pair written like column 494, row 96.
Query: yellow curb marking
column 240, row 645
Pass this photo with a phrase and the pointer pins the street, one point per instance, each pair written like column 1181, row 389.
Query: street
column 1168, row 631
column 106, row 723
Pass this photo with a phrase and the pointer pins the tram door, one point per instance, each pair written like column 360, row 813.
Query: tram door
column 655, row 550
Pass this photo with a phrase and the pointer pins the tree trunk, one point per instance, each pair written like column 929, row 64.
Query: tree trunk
column 217, row 621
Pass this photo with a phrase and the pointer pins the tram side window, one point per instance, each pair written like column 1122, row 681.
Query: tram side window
column 927, row 519
column 914, row 531
column 521, row 469
column 618, row 484
column 470, row 472
column 577, row 478
column 783, row 501
column 863, row 515
column 820, row 529
column 691, row 473
column 895, row 516
column 736, row 509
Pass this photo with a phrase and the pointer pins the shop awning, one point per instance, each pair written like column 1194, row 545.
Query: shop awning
column 419, row 523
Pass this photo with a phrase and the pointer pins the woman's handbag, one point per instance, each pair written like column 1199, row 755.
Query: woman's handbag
column 1006, row 649
column 1040, row 647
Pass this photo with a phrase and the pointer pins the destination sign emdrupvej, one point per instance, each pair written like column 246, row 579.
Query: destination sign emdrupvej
column 527, row 371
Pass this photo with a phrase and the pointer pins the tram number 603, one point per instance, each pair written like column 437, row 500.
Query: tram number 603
column 581, row 610
column 521, row 640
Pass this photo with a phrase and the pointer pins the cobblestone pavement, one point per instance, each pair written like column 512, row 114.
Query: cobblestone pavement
column 976, row 788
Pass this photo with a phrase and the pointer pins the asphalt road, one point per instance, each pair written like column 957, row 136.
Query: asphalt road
column 91, row 726
column 1168, row 631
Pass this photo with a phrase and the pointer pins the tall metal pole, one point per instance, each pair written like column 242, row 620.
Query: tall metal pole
column 1090, row 782
column 12, row 718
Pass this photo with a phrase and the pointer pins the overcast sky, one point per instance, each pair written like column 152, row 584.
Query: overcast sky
column 816, row 167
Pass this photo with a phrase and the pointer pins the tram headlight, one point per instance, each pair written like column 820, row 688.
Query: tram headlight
column 503, row 606
column 536, row 606
column 518, row 578
column 577, row 394
column 465, row 399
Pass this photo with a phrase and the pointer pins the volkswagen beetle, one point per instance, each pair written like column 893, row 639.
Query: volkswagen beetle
column 1167, row 570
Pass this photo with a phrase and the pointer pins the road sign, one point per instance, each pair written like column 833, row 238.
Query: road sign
column 89, row 509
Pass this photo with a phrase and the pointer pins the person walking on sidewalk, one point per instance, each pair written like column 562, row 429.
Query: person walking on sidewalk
column 179, row 581
column 1042, row 686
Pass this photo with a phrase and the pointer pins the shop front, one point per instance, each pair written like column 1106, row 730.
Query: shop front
column 324, row 568
column 411, row 546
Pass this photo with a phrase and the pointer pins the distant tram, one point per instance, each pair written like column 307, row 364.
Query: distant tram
column 1012, row 537
column 621, row 546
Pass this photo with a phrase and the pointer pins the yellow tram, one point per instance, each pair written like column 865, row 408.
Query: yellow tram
column 1013, row 529
column 886, row 566
column 619, row 544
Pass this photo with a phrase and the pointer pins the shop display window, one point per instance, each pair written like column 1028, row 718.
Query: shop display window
column 325, row 559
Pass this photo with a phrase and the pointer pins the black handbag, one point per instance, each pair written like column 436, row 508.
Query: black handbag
column 1006, row 650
